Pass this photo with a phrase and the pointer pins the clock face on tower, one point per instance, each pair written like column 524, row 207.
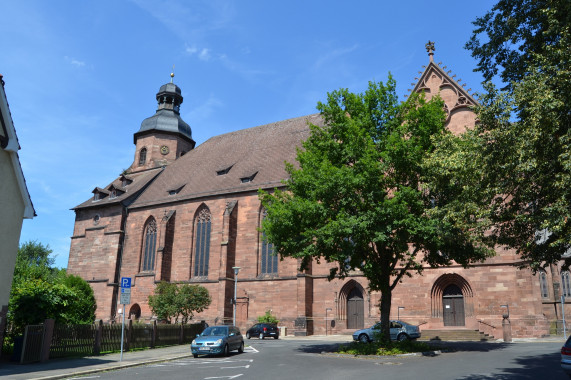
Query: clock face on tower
column 164, row 150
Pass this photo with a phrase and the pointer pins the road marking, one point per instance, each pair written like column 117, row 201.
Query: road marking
column 242, row 366
column 251, row 349
column 224, row 377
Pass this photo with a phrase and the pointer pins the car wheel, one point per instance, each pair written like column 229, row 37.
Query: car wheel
column 276, row 337
column 226, row 350
column 195, row 355
column 402, row 337
column 241, row 348
column 261, row 335
column 363, row 338
column 247, row 335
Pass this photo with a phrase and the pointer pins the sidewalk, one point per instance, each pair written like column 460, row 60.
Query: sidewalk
column 64, row 368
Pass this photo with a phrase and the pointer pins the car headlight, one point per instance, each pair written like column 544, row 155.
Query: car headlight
column 193, row 342
column 218, row 342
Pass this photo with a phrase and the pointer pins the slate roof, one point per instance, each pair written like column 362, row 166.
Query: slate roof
column 126, row 194
column 220, row 165
column 167, row 121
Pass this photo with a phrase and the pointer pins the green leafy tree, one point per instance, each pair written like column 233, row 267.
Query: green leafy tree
column 34, row 260
column 523, row 139
column 173, row 301
column 40, row 291
column 192, row 299
column 363, row 197
column 268, row 318
column 82, row 309
column 163, row 303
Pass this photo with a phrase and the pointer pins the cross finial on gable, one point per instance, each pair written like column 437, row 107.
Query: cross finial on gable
column 430, row 49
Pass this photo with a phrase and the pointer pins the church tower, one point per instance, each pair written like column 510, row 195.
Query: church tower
column 163, row 137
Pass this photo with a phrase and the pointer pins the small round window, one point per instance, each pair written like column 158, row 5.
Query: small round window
column 96, row 219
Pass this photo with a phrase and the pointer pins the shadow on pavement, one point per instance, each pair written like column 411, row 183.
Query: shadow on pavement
column 443, row 346
column 468, row 346
column 545, row 366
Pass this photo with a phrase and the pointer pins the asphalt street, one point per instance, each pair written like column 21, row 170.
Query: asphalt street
column 303, row 359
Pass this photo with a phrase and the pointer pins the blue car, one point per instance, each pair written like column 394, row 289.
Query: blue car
column 218, row 340
column 399, row 331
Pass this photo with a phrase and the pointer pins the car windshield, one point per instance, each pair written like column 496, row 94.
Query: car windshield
column 215, row 330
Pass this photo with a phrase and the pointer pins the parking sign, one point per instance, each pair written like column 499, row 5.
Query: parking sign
column 126, row 282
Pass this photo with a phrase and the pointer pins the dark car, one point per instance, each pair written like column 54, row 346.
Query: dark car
column 216, row 340
column 262, row 330
column 399, row 331
column 566, row 357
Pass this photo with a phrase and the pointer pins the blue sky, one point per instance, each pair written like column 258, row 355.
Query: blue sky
column 82, row 75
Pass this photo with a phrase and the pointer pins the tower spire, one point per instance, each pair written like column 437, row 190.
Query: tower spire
column 172, row 74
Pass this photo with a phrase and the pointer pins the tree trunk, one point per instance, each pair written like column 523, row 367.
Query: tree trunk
column 386, row 299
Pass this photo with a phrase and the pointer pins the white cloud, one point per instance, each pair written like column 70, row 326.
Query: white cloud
column 74, row 62
column 204, row 54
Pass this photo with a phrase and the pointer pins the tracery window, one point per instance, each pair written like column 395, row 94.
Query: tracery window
column 565, row 288
column 202, row 242
column 543, row 284
column 268, row 257
column 149, row 245
column 142, row 156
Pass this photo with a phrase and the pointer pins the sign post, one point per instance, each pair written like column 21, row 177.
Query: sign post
column 125, row 300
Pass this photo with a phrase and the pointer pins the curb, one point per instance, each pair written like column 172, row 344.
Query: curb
column 369, row 357
column 111, row 368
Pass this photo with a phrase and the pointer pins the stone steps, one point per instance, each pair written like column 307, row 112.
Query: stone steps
column 454, row 335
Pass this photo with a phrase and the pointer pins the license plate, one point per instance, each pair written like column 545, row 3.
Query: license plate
column 204, row 348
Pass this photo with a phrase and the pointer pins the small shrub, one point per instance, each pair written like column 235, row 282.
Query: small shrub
column 268, row 318
column 383, row 349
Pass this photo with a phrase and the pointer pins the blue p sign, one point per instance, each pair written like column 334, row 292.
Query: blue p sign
column 125, row 282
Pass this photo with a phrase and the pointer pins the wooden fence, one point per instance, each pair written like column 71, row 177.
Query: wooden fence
column 86, row 340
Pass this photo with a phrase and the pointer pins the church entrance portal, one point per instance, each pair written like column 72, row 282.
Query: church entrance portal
column 355, row 310
column 453, row 304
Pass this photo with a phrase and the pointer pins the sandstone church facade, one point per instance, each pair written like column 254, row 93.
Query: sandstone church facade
column 190, row 214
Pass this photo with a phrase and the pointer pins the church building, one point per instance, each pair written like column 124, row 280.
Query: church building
column 190, row 214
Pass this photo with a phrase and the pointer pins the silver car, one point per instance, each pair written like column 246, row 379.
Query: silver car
column 399, row 331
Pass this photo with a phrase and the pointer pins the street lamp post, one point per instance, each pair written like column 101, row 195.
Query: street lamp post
column 236, row 270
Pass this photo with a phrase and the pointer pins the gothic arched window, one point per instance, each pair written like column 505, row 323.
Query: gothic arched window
column 268, row 257
column 543, row 284
column 142, row 156
column 149, row 245
column 565, row 288
column 202, row 242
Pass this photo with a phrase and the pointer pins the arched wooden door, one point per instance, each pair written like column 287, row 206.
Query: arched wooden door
column 453, row 304
column 355, row 310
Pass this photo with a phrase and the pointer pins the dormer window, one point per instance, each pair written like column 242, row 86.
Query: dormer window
column 223, row 171
column 114, row 192
column 176, row 190
column 248, row 179
column 125, row 181
column 99, row 194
